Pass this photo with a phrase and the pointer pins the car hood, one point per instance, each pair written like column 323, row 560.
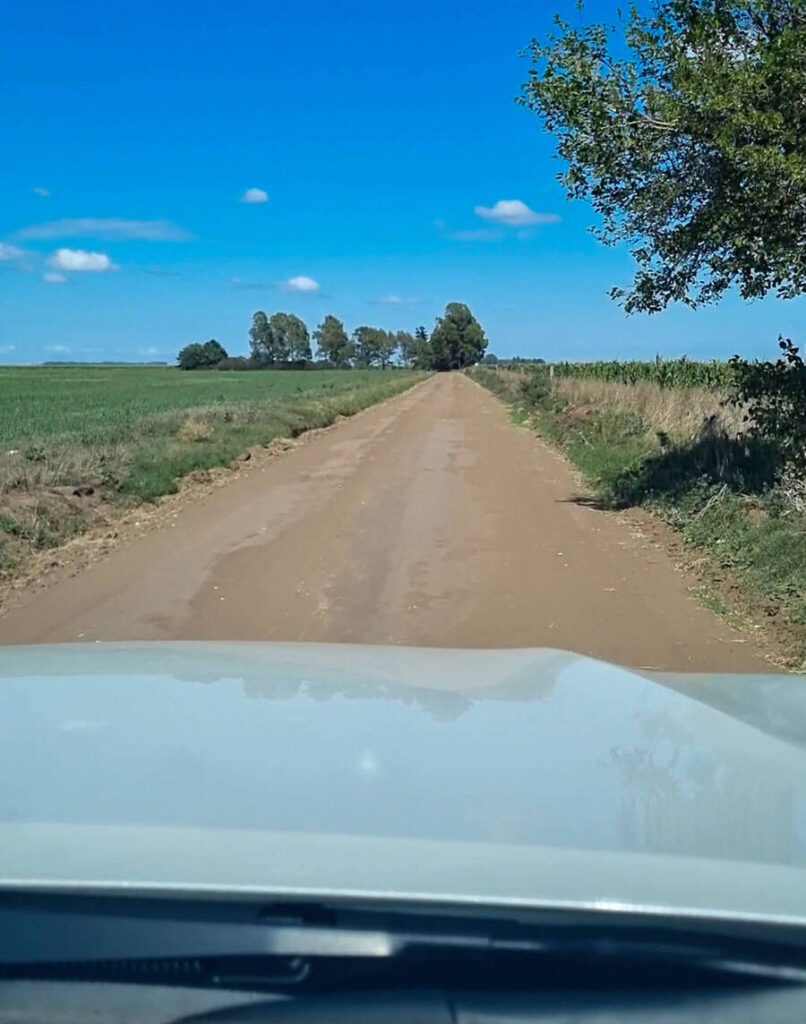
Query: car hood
column 525, row 778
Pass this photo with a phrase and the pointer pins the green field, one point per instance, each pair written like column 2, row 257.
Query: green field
column 132, row 433
column 666, row 373
column 102, row 405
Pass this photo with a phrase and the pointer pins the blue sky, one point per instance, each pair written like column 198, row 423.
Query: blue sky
column 381, row 135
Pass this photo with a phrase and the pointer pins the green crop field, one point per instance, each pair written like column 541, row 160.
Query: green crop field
column 89, row 404
column 667, row 373
column 128, row 434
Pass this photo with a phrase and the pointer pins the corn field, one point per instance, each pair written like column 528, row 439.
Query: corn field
column 667, row 373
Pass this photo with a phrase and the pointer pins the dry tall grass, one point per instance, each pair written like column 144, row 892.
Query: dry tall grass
column 678, row 412
column 196, row 429
column 56, row 466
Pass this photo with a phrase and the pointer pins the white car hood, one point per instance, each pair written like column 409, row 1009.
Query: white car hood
column 526, row 778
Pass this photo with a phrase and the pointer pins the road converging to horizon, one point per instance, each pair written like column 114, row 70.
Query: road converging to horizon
column 428, row 520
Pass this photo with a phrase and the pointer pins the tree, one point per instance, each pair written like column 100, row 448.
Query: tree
column 457, row 340
column 773, row 397
column 406, row 347
column 689, row 139
column 371, row 346
column 423, row 356
column 490, row 360
column 214, row 352
column 332, row 342
column 291, row 338
column 260, row 340
column 201, row 356
column 279, row 338
column 387, row 346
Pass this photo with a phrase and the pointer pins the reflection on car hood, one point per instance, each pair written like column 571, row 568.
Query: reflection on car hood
column 518, row 777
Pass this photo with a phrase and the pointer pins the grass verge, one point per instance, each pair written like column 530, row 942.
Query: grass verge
column 132, row 445
column 723, row 496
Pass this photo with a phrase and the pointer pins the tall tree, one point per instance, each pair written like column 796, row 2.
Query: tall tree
column 387, row 346
column 423, row 356
column 367, row 341
column 457, row 339
column 279, row 338
column 332, row 342
column 406, row 347
column 688, row 136
column 291, row 338
column 260, row 341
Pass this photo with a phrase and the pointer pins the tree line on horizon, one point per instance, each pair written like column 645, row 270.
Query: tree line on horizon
column 282, row 341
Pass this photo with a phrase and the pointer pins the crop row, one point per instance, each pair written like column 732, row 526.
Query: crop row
column 667, row 373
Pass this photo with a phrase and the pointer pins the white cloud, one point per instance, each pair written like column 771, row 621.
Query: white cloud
column 152, row 350
column 255, row 195
column 42, row 191
column 53, row 277
column 108, row 228
column 80, row 260
column 513, row 213
column 301, row 284
column 10, row 253
column 57, row 348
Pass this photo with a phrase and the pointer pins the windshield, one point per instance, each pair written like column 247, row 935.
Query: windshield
column 403, row 458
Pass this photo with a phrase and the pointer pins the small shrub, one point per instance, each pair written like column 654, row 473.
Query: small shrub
column 535, row 388
column 196, row 430
column 774, row 396
column 36, row 453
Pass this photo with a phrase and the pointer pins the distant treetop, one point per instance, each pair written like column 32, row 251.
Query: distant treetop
column 204, row 356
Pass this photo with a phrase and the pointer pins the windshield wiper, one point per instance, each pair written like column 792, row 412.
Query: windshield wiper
column 323, row 947
column 590, row 962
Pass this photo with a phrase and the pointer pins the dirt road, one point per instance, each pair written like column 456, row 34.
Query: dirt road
column 428, row 520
